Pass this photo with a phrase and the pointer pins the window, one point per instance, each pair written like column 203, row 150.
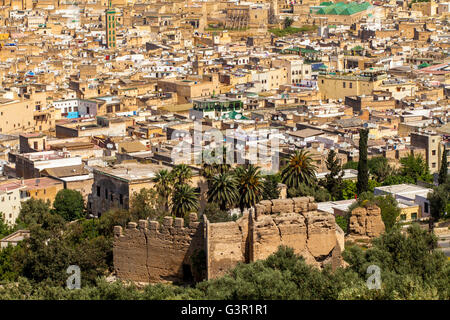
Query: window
column 343, row 84
column 106, row 193
column 414, row 216
column 403, row 217
column 350, row 85
column 433, row 165
column 425, row 207
column 98, row 191
column 433, row 152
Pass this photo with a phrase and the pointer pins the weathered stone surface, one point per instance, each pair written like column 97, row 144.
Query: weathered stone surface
column 301, row 204
column 282, row 205
column 365, row 223
column 321, row 233
column 155, row 253
column 150, row 252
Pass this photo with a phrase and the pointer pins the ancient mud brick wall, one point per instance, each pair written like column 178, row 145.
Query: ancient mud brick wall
column 365, row 223
column 150, row 252
column 226, row 245
column 290, row 222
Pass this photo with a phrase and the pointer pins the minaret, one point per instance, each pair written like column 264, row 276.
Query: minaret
column 110, row 26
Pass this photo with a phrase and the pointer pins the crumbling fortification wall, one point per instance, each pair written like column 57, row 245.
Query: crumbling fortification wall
column 365, row 224
column 150, row 252
column 291, row 222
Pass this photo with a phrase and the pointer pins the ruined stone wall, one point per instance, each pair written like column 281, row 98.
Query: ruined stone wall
column 150, row 252
column 227, row 243
column 291, row 222
column 365, row 224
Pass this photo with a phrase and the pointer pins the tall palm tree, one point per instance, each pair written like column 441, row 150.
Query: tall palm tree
column 300, row 169
column 212, row 165
column 184, row 200
column 223, row 190
column 250, row 186
column 163, row 184
column 181, row 174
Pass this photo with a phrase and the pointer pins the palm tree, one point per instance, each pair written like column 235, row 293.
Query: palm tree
column 184, row 200
column 181, row 174
column 213, row 166
column 250, row 186
column 300, row 169
column 163, row 184
column 223, row 190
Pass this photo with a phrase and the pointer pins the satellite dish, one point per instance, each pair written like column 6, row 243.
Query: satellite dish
column 109, row 146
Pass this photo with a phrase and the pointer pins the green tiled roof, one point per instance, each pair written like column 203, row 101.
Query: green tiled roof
column 342, row 8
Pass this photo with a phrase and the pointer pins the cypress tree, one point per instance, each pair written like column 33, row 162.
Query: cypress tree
column 363, row 169
column 333, row 180
column 443, row 171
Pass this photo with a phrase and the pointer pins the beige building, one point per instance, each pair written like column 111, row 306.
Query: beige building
column 340, row 85
column 296, row 69
column 431, row 142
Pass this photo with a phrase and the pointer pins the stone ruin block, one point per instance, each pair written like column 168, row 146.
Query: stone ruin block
column 300, row 204
column 282, row 205
column 179, row 222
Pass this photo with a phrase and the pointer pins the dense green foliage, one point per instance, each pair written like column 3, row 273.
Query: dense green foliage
column 443, row 170
column 333, row 179
column 184, row 200
column 291, row 30
column 410, row 269
column 379, row 168
column 388, row 205
column 214, row 214
column 342, row 222
column 223, row 190
column 416, row 168
column 299, row 170
column 320, row 194
column 439, row 200
column 250, row 186
column 69, row 204
column 363, row 170
column 270, row 187
column 5, row 229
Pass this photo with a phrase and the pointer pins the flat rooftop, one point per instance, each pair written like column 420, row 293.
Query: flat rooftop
column 133, row 171
column 39, row 183
column 406, row 190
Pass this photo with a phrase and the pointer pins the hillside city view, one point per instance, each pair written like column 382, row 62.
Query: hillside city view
column 200, row 150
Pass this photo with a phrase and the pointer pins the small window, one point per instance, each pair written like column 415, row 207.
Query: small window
column 425, row 207
column 433, row 152
column 343, row 84
column 98, row 191
column 403, row 217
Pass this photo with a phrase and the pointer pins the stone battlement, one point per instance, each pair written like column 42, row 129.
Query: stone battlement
column 148, row 251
